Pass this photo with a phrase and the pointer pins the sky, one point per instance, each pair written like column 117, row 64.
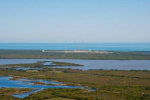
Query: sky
column 91, row 21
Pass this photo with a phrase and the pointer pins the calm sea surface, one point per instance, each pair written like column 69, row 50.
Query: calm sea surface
column 78, row 46
column 90, row 64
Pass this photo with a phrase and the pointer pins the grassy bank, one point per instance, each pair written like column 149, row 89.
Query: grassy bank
column 6, row 93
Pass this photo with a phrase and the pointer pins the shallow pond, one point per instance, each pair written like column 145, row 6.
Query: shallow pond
column 5, row 82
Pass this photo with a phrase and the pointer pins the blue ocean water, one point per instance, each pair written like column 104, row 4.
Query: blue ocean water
column 78, row 46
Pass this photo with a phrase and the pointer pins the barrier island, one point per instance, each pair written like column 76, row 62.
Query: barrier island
column 53, row 54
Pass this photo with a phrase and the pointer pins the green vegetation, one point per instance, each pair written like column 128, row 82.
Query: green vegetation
column 32, row 65
column 109, row 84
column 5, row 93
column 65, row 64
column 6, row 54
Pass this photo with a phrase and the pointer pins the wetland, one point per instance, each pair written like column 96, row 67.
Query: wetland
column 115, row 76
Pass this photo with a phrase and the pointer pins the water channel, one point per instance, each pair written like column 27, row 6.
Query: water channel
column 5, row 82
column 90, row 64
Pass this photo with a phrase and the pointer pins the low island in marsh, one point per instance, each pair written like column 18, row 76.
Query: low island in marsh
column 40, row 64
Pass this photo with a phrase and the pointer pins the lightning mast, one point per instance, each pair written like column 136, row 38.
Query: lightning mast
column 65, row 45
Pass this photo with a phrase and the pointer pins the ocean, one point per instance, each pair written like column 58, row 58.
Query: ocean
column 77, row 46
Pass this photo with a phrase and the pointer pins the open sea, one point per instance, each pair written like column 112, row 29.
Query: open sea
column 78, row 46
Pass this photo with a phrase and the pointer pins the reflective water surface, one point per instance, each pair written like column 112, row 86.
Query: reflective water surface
column 5, row 82
column 90, row 64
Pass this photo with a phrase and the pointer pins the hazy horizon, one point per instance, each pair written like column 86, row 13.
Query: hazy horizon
column 90, row 21
column 77, row 42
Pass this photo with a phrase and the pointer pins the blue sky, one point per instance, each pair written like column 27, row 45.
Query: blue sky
column 96, row 21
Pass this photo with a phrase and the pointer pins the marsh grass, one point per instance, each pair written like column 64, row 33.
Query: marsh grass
column 109, row 84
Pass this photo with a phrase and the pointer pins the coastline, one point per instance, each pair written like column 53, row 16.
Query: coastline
column 61, row 54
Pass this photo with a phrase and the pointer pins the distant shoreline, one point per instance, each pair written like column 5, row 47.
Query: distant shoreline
column 60, row 54
column 78, row 51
